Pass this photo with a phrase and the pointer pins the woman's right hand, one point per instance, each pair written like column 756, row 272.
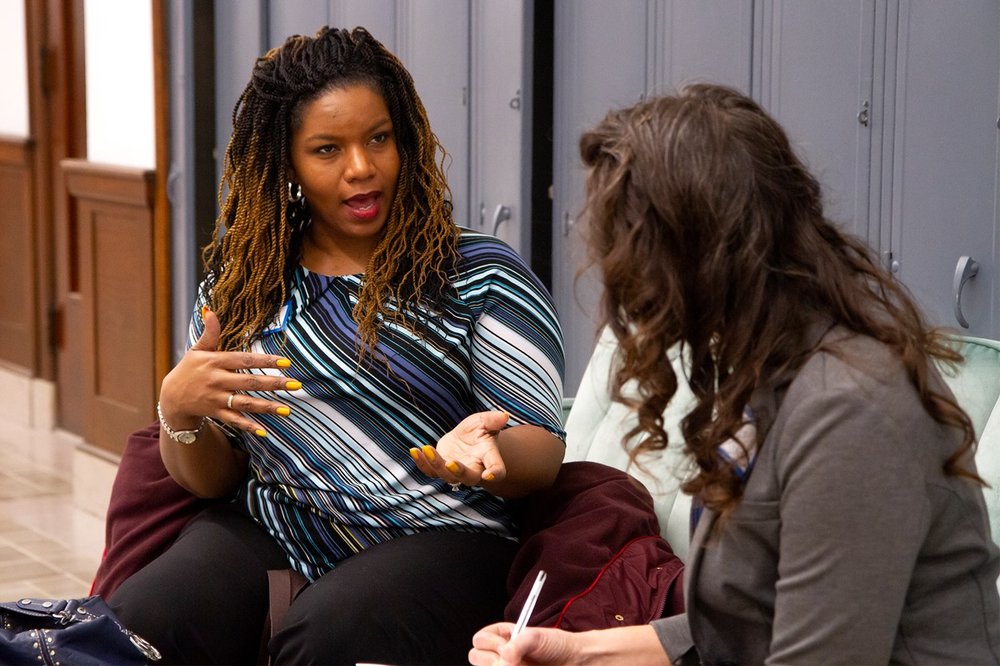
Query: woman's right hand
column 493, row 646
column 636, row 645
column 202, row 382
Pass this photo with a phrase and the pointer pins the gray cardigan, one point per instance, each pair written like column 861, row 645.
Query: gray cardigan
column 850, row 544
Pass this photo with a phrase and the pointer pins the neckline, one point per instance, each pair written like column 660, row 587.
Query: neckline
column 306, row 272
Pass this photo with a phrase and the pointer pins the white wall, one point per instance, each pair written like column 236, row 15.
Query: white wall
column 119, row 58
column 14, row 73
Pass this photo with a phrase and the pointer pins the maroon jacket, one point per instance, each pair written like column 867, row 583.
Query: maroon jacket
column 595, row 534
column 146, row 513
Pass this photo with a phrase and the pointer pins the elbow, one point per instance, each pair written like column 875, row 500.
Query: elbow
column 214, row 479
column 206, row 488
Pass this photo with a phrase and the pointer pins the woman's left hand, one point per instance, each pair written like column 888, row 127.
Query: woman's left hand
column 468, row 454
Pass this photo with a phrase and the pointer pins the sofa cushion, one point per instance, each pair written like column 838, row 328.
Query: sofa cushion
column 596, row 428
column 988, row 465
column 976, row 381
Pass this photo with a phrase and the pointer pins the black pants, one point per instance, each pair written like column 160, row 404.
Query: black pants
column 414, row 600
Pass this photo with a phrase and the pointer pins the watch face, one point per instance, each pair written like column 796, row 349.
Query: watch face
column 187, row 436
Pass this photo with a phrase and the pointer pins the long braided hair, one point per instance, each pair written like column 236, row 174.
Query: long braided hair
column 709, row 232
column 259, row 233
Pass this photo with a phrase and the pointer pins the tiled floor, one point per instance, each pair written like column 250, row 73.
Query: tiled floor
column 48, row 546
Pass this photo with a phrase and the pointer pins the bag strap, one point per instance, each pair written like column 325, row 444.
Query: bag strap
column 283, row 585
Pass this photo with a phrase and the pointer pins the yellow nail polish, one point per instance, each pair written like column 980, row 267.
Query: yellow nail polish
column 452, row 467
column 204, row 309
column 489, row 477
column 415, row 454
column 283, row 363
column 283, row 411
column 260, row 433
column 293, row 385
column 429, row 452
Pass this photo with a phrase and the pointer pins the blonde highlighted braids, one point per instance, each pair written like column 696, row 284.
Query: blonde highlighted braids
column 258, row 235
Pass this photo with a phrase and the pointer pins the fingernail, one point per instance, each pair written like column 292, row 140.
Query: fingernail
column 283, row 411
column 452, row 467
column 204, row 309
column 415, row 454
column 489, row 477
column 283, row 363
column 260, row 433
column 429, row 452
column 293, row 385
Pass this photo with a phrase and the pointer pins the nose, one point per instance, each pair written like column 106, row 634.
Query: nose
column 359, row 165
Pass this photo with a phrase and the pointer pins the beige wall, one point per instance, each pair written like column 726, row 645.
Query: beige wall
column 14, row 73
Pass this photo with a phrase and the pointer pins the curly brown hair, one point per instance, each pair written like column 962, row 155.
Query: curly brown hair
column 709, row 232
column 259, row 233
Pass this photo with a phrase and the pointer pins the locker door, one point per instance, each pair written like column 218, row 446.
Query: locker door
column 945, row 172
column 433, row 42
column 610, row 54
column 816, row 76
column 500, row 150
column 702, row 40
column 240, row 37
column 600, row 63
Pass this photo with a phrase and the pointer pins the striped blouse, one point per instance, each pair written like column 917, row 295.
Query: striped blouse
column 336, row 475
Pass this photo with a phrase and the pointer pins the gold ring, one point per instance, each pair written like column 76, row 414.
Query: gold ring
column 229, row 400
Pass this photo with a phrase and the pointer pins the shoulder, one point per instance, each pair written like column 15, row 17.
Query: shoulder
column 856, row 395
column 477, row 250
column 856, row 366
column 487, row 264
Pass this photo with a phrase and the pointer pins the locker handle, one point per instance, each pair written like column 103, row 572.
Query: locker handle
column 500, row 215
column 965, row 270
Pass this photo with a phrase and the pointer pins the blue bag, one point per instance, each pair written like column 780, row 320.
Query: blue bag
column 68, row 632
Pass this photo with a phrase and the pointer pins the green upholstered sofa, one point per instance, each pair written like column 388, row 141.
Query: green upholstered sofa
column 595, row 427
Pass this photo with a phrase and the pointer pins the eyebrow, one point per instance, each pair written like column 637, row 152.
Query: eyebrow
column 378, row 124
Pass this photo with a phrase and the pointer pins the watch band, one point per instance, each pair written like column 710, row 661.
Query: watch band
column 179, row 436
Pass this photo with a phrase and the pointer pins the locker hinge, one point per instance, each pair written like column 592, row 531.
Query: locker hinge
column 56, row 320
column 47, row 59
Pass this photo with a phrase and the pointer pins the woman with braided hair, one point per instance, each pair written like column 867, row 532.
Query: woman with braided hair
column 366, row 381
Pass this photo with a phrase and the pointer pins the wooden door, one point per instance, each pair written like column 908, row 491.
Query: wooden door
column 58, row 127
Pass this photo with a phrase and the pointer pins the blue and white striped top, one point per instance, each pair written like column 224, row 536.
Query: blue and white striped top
column 336, row 476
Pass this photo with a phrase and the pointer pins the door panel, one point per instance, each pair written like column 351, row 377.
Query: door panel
column 945, row 161
column 58, row 111
column 600, row 63
column 295, row 17
column 610, row 54
column 816, row 77
column 706, row 40
column 433, row 43
column 501, row 90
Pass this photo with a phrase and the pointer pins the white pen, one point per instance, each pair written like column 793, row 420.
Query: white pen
column 529, row 605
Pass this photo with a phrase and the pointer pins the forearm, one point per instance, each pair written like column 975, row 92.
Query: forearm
column 635, row 645
column 532, row 456
column 208, row 467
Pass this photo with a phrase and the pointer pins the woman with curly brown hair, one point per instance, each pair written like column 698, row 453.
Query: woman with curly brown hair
column 838, row 514
column 366, row 380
